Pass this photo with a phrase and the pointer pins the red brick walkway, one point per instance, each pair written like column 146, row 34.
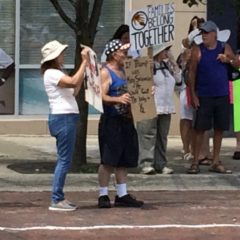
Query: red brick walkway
column 168, row 215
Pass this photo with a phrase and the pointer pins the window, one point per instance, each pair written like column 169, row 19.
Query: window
column 40, row 23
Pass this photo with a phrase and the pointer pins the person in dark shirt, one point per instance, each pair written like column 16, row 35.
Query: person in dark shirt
column 118, row 139
column 208, row 79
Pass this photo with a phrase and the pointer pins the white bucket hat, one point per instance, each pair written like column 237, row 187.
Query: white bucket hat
column 52, row 50
column 159, row 48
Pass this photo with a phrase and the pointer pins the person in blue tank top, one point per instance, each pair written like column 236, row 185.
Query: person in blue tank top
column 118, row 140
column 209, row 85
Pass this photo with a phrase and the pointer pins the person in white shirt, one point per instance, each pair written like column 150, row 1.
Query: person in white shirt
column 166, row 74
column 63, row 115
column 7, row 64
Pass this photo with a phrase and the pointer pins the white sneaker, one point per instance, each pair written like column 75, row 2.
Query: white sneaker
column 188, row 157
column 148, row 170
column 167, row 170
column 62, row 206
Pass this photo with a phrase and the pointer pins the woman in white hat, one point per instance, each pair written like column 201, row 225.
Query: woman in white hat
column 166, row 75
column 63, row 114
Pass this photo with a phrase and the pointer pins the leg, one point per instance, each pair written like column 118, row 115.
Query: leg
column 221, row 123
column 217, row 143
column 238, row 141
column 121, row 179
column 198, row 142
column 205, row 156
column 63, row 128
column 146, row 130
column 202, row 121
column 236, row 154
column 217, row 166
column 104, row 174
column 205, row 149
column 186, row 115
column 186, row 134
column 163, row 125
column 123, row 199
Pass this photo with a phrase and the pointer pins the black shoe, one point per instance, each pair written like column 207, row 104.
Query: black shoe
column 127, row 201
column 104, row 202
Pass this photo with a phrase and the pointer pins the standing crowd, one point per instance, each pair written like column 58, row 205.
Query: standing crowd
column 200, row 75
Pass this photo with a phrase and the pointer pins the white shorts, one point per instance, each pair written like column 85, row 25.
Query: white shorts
column 186, row 111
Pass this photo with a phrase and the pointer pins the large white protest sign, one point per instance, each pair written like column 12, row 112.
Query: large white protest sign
column 93, row 92
column 152, row 25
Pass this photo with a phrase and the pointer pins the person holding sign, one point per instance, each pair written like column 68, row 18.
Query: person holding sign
column 118, row 140
column 63, row 115
column 166, row 75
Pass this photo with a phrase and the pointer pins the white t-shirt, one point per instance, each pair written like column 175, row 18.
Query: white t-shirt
column 164, row 89
column 5, row 59
column 61, row 100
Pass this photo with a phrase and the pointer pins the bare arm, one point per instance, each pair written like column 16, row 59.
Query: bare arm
column 105, row 84
column 77, row 79
column 195, row 56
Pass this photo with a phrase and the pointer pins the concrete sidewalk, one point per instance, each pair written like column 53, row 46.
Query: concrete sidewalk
column 30, row 149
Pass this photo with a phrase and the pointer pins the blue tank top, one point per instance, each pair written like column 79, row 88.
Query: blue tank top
column 212, row 77
column 117, row 88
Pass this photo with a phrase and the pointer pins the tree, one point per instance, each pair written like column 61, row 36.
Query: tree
column 85, row 28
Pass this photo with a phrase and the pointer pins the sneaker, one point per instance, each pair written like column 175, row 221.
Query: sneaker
column 62, row 206
column 148, row 170
column 167, row 170
column 70, row 203
column 127, row 201
column 104, row 202
column 188, row 157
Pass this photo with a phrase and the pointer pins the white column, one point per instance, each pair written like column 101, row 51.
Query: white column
column 128, row 8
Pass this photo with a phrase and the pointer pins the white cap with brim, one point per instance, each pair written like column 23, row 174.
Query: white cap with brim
column 222, row 36
column 52, row 50
column 159, row 48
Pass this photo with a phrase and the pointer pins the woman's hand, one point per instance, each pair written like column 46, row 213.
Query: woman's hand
column 171, row 57
column 85, row 54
